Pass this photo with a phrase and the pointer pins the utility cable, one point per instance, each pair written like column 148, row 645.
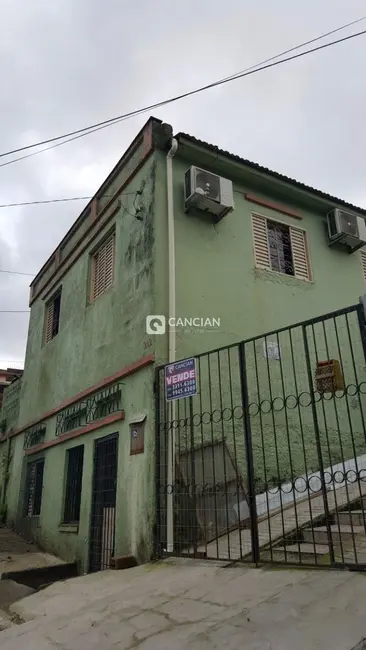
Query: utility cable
column 73, row 198
column 18, row 273
column 252, row 70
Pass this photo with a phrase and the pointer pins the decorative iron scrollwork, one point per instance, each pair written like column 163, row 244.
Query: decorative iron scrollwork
column 35, row 435
column 94, row 408
column 71, row 418
column 104, row 403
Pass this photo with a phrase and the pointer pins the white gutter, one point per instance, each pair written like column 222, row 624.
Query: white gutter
column 171, row 341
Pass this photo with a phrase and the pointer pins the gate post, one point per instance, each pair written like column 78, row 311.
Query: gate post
column 249, row 454
column 361, row 315
column 158, row 531
column 193, row 473
column 318, row 445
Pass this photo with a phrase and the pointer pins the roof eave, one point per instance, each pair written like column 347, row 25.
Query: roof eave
column 321, row 198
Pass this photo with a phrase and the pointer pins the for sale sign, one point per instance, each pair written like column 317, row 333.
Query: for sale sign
column 180, row 379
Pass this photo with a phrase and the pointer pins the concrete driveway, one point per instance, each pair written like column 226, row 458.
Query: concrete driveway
column 194, row 605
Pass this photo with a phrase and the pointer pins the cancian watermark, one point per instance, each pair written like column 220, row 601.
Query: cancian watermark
column 159, row 324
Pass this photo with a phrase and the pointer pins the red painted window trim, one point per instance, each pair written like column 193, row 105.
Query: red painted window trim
column 124, row 372
column 115, row 417
column 272, row 206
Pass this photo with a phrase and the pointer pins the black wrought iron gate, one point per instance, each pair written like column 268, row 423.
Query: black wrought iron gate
column 267, row 462
column 102, row 530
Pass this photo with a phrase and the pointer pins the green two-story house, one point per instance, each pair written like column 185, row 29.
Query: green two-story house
column 179, row 229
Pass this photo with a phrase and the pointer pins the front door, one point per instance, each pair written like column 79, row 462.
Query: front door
column 102, row 531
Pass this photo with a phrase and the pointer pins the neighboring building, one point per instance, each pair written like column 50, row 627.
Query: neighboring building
column 6, row 378
column 83, row 454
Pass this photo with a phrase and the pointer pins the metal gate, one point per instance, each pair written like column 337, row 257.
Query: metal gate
column 267, row 462
column 102, row 530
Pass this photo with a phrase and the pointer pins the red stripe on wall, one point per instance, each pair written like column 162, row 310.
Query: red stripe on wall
column 272, row 206
column 124, row 372
column 115, row 417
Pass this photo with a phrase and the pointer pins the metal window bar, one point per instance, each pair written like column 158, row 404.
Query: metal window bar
column 33, row 488
column 94, row 408
column 104, row 403
column 74, row 476
column 35, row 435
column 71, row 418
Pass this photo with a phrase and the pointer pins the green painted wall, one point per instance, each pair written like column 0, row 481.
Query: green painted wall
column 95, row 341
column 98, row 339
column 10, row 405
column 215, row 277
column 216, row 274
column 135, row 477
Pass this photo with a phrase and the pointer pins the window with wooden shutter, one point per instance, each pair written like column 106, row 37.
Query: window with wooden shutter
column 49, row 321
column 52, row 318
column 299, row 254
column 279, row 247
column 261, row 246
column 103, row 268
column 363, row 263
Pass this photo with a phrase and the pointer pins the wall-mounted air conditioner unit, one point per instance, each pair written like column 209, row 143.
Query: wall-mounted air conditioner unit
column 346, row 228
column 207, row 191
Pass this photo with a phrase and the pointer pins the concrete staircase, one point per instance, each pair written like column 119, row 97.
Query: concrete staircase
column 310, row 544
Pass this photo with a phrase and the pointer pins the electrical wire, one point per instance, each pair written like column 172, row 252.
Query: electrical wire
column 249, row 71
column 18, row 273
column 14, row 311
column 73, row 198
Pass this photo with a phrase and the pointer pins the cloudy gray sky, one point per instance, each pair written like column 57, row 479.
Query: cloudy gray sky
column 68, row 63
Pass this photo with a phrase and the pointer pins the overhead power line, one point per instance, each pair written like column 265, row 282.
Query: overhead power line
column 96, row 127
column 268, row 63
column 17, row 273
column 73, row 198
column 14, row 311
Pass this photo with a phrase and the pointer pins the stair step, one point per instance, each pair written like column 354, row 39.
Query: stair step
column 300, row 553
column 358, row 517
column 320, row 549
column 319, row 534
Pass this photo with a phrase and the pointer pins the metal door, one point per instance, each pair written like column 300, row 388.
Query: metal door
column 102, row 530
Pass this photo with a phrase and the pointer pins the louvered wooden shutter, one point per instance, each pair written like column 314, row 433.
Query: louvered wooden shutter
column 109, row 263
column 363, row 263
column 49, row 321
column 299, row 254
column 103, row 268
column 260, row 239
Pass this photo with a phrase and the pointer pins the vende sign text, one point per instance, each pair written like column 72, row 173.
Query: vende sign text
column 180, row 379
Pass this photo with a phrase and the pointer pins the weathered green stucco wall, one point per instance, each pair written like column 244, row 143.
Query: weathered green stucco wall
column 11, row 404
column 216, row 277
column 95, row 340
column 135, row 478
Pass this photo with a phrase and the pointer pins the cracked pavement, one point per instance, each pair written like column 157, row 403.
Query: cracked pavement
column 187, row 604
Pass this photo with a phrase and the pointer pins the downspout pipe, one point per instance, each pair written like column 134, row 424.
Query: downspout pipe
column 171, row 249
column 171, row 339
